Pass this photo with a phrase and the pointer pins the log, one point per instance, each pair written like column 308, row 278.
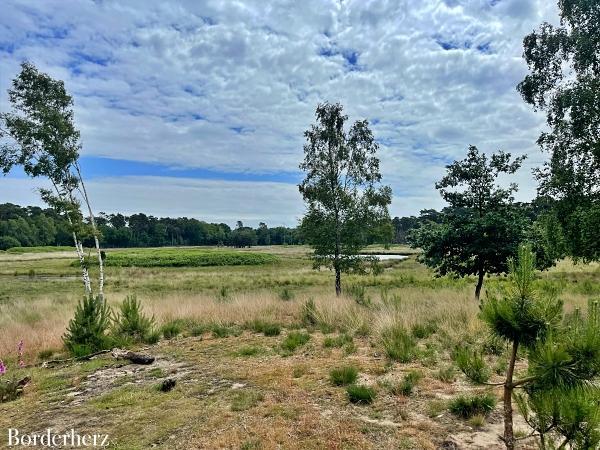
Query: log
column 135, row 358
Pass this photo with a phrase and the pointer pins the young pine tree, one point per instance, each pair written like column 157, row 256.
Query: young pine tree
column 558, row 398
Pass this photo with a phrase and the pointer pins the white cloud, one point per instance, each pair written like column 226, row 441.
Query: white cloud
column 170, row 82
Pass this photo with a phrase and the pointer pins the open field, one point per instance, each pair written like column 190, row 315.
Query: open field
column 239, row 388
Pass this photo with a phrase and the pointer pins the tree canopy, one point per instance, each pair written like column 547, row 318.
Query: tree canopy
column 346, row 204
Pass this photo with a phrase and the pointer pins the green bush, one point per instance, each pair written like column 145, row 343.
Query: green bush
column 360, row 394
column 398, row 344
column 222, row 331
column 472, row 364
column 86, row 332
column 171, row 329
column 342, row 376
column 467, row 406
column 132, row 323
column 7, row 242
column 294, row 340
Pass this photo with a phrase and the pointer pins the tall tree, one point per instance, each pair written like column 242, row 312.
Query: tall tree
column 482, row 227
column 564, row 81
column 46, row 143
column 342, row 190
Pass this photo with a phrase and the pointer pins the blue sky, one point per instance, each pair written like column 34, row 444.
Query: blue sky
column 197, row 108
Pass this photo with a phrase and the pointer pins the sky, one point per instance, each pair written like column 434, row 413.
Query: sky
column 198, row 108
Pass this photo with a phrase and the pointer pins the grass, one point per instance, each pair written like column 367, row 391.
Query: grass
column 294, row 340
column 468, row 406
column 399, row 345
column 360, row 394
column 472, row 364
column 183, row 258
column 40, row 249
column 342, row 376
column 408, row 383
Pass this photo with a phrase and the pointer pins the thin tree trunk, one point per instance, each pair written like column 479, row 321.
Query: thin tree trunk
column 480, row 276
column 95, row 231
column 86, row 275
column 338, row 282
column 509, row 439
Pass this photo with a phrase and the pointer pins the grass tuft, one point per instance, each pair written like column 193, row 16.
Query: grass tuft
column 360, row 394
column 342, row 376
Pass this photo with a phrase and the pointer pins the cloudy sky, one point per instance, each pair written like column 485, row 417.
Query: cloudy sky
column 197, row 108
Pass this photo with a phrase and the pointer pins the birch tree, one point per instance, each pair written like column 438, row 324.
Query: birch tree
column 345, row 200
column 39, row 135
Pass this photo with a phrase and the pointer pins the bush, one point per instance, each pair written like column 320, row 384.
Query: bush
column 10, row 389
column 86, row 332
column 7, row 242
column 398, row 344
column 467, row 406
column 286, row 295
column 171, row 329
column 360, row 394
column 294, row 340
column 342, row 376
column 132, row 323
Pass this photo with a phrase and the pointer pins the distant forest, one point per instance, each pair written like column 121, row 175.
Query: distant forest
column 32, row 226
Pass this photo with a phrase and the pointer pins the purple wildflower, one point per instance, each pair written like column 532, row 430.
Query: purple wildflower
column 20, row 353
column 2, row 368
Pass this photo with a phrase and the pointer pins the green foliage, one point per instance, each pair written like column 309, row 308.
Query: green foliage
column 132, row 323
column 220, row 330
column 246, row 399
column 472, row 364
column 342, row 376
column 345, row 202
column 41, row 249
column 338, row 341
column 564, row 81
column 408, row 383
column 286, row 295
column 424, row 330
column 398, row 344
column 521, row 315
column 171, row 329
column 294, row 340
column 360, row 394
column 86, row 332
column 184, row 258
column 467, row 406
column 267, row 328
column 359, row 294
column 9, row 242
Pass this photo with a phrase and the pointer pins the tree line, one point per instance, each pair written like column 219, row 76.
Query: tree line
column 31, row 226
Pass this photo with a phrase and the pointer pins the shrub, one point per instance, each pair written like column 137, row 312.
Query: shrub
column 294, row 340
column 360, row 394
column 222, row 331
column 286, row 295
column 86, row 332
column 7, row 242
column 171, row 329
column 309, row 313
column 131, row 321
column 472, row 364
column 10, row 389
column 342, row 376
column 398, row 344
column 467, row 406
column 408, row 383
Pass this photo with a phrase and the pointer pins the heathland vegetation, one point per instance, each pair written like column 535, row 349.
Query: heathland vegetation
column 255, row 348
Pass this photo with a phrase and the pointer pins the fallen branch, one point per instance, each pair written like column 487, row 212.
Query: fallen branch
column 135, row 358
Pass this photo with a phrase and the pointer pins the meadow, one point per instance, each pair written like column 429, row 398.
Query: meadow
column 264, row 354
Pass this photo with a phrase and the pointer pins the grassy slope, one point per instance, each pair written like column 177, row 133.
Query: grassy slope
column 263, row 399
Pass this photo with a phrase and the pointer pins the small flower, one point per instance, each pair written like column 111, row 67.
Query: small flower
column 20, row 348
column 2, row 368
